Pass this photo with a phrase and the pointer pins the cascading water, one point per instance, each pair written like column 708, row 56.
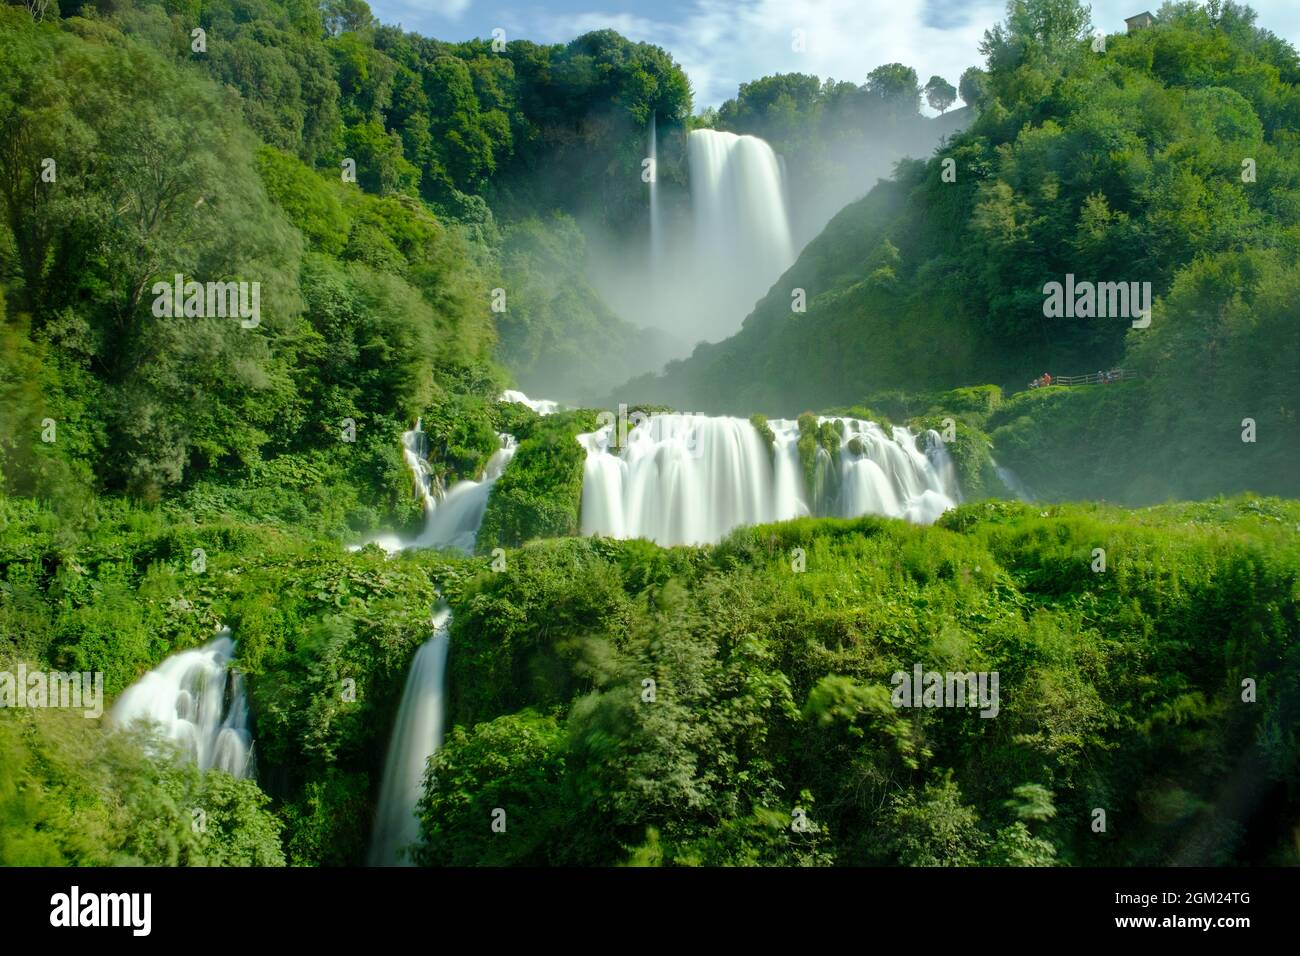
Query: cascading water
column 199, row 702
column 451, row 518
column 417, row 734
column 742, row 239
column 541, row 406
column 687, row 479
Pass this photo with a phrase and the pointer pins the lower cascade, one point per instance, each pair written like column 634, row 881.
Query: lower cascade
column 689, row 479
column 199, row 701
column 417, row 734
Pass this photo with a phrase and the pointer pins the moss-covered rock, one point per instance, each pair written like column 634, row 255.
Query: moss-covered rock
column 540, row 494
column 764, row 431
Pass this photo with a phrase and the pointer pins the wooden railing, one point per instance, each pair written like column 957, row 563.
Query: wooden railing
column 1096, row 378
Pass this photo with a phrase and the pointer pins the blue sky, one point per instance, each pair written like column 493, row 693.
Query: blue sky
column 723, row 43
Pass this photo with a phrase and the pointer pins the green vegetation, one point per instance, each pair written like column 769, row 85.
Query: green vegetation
column 771, row 691
column 120, row 593
column 540, row 496
column 764, row 430
column 71, row 796
column 819, row 455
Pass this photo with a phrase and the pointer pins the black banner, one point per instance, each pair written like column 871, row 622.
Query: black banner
column 341, row 906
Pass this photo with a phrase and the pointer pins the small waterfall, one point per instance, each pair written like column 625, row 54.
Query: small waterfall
column 451, row 518
column 455, row 521
column 742, row 238
column 417, row 734
column 1013, row 483
column 199, row 702
column 541, row 406
column 687, row 479
column 415, row 451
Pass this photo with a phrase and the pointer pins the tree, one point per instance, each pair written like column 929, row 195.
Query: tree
column 38, row 9
column 972, row 86
column 897, row 85
column 940, row 94
column 1035, row 30
column 347, row 16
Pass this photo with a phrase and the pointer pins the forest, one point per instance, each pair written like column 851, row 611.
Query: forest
column 433, row 225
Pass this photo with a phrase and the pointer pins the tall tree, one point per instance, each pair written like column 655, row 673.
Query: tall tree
column 940, row 94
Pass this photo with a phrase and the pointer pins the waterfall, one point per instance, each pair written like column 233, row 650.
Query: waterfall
column 541, row 406
column 1013, row 483
column 417, row 734
column 200, row 703
column 742, row 240
column 451, row 518
column 688, row 479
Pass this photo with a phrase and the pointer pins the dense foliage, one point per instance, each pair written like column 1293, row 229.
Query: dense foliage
column 121, row 591
column 540, row 496
column 624, row 703
column 373, row 292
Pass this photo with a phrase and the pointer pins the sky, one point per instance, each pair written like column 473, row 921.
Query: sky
column 723, row 43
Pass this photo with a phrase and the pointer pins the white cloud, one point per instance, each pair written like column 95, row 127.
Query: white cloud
column 723, row 43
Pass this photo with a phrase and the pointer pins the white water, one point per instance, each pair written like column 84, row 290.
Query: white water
column 541, row 406
column 417, row 734
column 451, row 517
column 199, row 702
column 687, row 479
column 742, row 240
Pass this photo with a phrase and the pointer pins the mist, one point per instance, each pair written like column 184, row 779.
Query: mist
column 724, row 225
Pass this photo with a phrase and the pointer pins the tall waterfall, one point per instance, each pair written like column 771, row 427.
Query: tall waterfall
column 199, row 702
column 742, row 238
column 687, row 479
column 417, row 733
